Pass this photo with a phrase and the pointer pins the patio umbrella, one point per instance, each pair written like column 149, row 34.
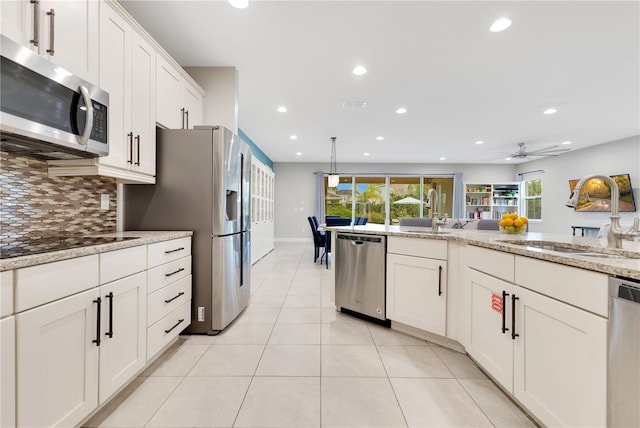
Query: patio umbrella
column 408, row 200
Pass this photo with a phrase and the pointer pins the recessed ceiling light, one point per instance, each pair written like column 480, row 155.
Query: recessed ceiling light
column 500, row 24
column 294, row 137
column 507, row 158
column 566, row 142
column 443, row 158
column 401, row 110
column 479, row 142
column 550, row 110
column 298, row 153
column 380, row 138
column 366, row 154
column 282, row 109
column 240, row 4
column 359, row 70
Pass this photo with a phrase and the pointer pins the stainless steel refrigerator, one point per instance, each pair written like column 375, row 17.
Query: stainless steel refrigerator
column 203, row 184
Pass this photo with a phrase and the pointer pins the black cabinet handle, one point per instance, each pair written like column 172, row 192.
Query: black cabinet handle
column 173, row 251
column 513, row 317
column 187, row 113
column 182, row 110
column 97, row 339
column 174, row 272
column 174, row 298
column 176, row 324
column 130, row 136
column 504, row 311
column 138, row 149
column 52, row 32
column 110, row 297
column 439, row 280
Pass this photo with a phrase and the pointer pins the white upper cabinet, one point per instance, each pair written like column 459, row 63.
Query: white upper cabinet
column 64, row 31
column 179, row 105
column 127, row 73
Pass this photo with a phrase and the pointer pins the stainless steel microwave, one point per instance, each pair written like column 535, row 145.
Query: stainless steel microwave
column 46, row 111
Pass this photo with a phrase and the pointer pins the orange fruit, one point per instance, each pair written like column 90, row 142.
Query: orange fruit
column 514, row 216
column 508, row 222
column 524, row 220
column 518, row 222
column 506, row 215
column 501, row 223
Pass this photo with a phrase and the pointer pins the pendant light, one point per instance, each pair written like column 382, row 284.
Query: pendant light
column 334, row 177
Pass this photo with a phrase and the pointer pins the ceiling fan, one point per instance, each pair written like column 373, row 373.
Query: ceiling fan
column 523, row 153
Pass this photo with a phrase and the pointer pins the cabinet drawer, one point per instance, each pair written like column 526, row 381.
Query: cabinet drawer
column 45, row 283
column 491, row 262
column 578, row 287
column 430, row 248
column 167, row 273
column 168, row 251
column 161, row 333
column 6, row 293
column 163, row 301
column 120, row 263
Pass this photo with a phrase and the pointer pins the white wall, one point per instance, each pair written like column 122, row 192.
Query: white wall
column 295, row 187
column 221, row 95
column 617, row 157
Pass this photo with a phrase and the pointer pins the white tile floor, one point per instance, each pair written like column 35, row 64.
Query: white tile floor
column 291, row 360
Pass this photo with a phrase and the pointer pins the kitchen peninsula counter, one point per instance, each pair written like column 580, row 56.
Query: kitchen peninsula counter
column 628, row 267
column 143, row 238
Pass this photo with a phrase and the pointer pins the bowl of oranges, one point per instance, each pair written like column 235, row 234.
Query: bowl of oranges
column 512, row 223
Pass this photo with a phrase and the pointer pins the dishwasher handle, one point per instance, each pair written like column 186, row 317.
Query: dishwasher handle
column 357, row 243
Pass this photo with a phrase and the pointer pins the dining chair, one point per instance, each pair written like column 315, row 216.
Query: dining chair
column 488, row 225
column 416, row 222
column 318, row 240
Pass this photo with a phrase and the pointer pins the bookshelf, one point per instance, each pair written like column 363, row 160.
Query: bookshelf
column 491, row 201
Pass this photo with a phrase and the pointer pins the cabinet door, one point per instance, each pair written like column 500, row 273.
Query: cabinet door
column 16, row 20
column 75, row 29
column 143, row 99
column 115, row 78
column 123, row 346
column 7, row 372
column 560, row 359
column 492, row 348
column 417, row 292
column 56, row 362
column 194, row 105
column 169, row 95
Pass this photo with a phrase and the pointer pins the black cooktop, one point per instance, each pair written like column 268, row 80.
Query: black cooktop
column 26, row 246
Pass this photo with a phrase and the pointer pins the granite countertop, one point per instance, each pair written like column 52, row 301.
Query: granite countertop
column 628, row 267
column 144, row 238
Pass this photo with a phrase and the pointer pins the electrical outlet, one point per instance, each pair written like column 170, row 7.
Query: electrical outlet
column 200, row 313
column 104, row 201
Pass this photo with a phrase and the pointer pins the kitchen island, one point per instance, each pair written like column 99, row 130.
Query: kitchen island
column 531, row 309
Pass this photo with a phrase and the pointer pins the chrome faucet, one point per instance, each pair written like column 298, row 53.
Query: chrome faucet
column 437, row 223
column 616, row 234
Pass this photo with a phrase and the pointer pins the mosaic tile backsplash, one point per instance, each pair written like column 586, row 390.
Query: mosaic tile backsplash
column 33, row 204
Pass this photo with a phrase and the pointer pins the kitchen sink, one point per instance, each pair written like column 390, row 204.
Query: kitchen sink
column 577, row 250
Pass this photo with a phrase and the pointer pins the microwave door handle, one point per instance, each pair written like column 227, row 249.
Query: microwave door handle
column 88, row 123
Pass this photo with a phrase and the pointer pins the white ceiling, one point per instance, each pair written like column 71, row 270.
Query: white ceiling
column 459, row 81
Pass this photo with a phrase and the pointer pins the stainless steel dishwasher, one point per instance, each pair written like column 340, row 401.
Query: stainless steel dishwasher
column 623, row 395
column 360, row 263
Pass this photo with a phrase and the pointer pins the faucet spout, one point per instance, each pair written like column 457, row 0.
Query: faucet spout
column 432, row 201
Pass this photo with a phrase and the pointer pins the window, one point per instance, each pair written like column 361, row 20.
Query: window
column 375, row 196
column 532, row 203
column 371, row 195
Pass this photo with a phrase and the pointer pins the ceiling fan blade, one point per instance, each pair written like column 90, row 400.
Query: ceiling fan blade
column 552, row 151
column 543, row 150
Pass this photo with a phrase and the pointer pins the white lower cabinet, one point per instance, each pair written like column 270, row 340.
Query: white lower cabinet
column 123, row 335
column 417, row 283
column 57, row 361
column 491, row 343
column 416, row 292
column 8, row 372
column 560, row 361
column 552, row 356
